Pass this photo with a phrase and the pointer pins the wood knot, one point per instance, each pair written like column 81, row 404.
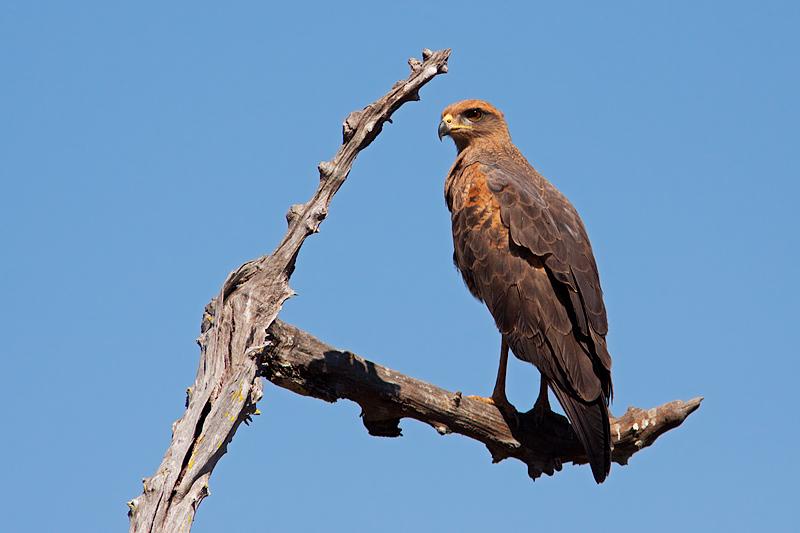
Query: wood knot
column 319, row 214
column 351, row 124
column 426, row 54
column 442, row 67
column 457, row 398
column 326, row 169
column 293, row 213
column 415, row 63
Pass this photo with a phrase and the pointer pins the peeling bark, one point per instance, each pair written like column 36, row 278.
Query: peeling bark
column 232, row 337
column 303, row 364
column 241, row 339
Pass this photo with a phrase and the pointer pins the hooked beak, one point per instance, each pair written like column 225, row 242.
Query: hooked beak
column 448, row 124
column 444, row 129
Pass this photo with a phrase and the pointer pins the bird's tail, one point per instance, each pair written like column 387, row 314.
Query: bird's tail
column 591, row 424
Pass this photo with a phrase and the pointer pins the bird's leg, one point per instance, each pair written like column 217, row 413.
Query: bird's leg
column 542, row 406
column 499, row 394
column 540, row 410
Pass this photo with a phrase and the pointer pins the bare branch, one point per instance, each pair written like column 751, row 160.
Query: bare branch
column 301, row 363
column 241, row 340
column 227, row 388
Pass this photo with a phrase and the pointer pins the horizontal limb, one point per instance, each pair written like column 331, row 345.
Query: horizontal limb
column 301, row 363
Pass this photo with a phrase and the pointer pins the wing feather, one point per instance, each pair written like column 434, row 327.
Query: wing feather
column 543, row 221
column 523, row 250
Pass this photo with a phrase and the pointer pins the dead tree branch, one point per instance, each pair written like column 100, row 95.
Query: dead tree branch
column 227, row 387
column 241, row 339
column 301, row 363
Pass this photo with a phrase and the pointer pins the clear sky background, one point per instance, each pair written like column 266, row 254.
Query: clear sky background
column 147, row 149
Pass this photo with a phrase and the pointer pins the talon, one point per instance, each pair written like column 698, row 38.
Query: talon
column 510, row 413
column 505, row 407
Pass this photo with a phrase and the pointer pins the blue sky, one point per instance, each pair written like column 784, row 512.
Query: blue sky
column 148, row 149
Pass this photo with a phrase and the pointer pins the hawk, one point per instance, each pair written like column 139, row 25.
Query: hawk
column 522, row 249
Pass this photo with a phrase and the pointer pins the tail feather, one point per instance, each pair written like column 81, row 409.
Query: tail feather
column 591, row 424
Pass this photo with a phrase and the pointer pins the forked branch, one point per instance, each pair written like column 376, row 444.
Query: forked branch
column 227, row 387
column 241, row 340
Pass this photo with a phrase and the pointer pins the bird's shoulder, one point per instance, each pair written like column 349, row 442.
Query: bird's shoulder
column 539, row 216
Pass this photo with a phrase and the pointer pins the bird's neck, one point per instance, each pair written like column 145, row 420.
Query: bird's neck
column 487, row 146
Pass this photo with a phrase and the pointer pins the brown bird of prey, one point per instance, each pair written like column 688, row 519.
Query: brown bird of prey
column 522, row 250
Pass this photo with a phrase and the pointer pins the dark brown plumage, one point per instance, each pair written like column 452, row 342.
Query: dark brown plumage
column 522, row 250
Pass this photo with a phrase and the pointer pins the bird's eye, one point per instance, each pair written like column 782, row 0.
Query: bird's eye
column 473, row 114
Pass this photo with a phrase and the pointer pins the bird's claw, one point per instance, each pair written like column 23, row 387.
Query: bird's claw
column 506, row 408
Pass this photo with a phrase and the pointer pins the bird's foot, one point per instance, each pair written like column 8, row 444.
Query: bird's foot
column 506, row 408
column 541, row 409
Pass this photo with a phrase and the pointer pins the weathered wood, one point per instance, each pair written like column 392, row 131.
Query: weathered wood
column 227, row 387
column 241, row 340
column 301, row 363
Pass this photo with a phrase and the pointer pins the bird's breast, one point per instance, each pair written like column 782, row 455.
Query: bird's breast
column 480, row 238
column 475, row 209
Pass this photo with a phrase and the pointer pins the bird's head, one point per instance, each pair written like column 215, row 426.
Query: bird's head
column 472, row 120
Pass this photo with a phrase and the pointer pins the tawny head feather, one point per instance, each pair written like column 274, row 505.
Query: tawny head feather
column 472, row 121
